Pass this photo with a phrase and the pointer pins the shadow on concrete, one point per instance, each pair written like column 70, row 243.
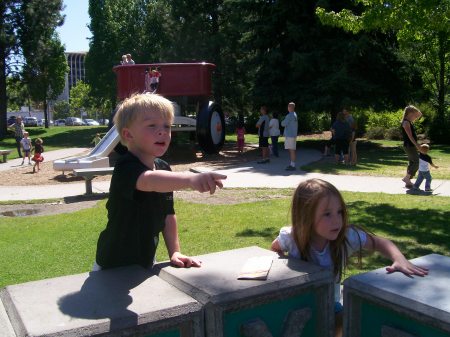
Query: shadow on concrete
column 85, row 197
column 105, row 294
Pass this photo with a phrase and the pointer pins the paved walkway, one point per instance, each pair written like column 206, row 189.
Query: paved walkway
column 246, row 174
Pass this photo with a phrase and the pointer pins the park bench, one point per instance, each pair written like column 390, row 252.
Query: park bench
column 5, row 153
column 90, row 173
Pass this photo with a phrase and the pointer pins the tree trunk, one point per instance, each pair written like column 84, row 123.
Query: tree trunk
column 442, row 41
column 3, row 104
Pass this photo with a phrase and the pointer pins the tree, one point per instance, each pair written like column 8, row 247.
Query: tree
column 61, row 110
column 8, row 46
column 44, row 72
column 21, row 23
column 17, row 93
column 80, row 99
column 297, row 58
column 119, row 27
column 422, row 30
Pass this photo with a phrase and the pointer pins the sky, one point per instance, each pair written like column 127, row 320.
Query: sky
column 74, row 32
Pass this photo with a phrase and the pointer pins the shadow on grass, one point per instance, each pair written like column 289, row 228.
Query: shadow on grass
column 416, row 232
column 267, row 232
column 371, row 156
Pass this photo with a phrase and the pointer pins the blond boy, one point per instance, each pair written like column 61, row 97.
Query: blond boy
column 425, row 162
column 140, row 204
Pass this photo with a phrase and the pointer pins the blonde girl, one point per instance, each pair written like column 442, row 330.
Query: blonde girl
column 320, row 233
column 410, row 145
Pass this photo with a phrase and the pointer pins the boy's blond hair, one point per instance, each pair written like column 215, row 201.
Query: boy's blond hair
column 292, row 104
column 425, row 147
column 138, row 104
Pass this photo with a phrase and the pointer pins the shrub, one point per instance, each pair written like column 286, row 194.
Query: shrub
column 311, row 121
column 384, row 119
column 375, row 133
column 393, row 134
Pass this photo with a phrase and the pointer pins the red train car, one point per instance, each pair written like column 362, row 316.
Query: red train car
column 187, row 84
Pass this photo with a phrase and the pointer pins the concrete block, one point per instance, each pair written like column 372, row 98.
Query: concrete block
column 295, row 293
column 6, row 329
column 127, row 301
column 381, row 304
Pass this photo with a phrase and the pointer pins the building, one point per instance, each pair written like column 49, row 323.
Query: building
column 77, row 72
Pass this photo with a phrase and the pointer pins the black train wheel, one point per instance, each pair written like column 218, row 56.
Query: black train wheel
column 210, row 127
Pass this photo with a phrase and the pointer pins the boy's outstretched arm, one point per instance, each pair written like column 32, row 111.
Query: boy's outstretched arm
column 170, row 235
column 399, row 262
column 168, row 181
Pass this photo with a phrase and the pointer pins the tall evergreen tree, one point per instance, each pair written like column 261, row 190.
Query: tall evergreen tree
column 298, row 59
column 422, row 30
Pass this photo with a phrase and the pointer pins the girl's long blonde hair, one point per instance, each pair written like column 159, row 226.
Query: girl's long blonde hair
column 305, row 201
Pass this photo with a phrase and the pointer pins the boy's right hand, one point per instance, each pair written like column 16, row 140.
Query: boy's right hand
column 207, row 181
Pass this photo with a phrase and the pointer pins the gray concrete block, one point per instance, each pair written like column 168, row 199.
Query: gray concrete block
column 116, row 302
column 6, row 329
column 412, row 305
column 216, row 286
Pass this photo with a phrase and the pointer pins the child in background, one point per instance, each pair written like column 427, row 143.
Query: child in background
column 240, row 134
column 263, row 132
column 26, row 147
column 320, row 233
column 154, row 79
column 140, row 204
column 424, row 168
column 147, row 80
column 274, row 131
column 96, row 139
column 37, row 158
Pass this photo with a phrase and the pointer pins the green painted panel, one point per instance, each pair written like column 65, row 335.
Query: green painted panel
column 171, row 333
column 373, row 317
column 273, row 314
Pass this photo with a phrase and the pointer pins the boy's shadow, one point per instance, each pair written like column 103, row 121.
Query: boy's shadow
column 106, row 294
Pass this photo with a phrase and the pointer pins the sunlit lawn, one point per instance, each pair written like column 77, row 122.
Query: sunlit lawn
column 57, row 137
column 40, row 247
column 379, row 158
column 375, row 157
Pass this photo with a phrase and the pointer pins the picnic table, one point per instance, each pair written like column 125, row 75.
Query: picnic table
column 90, row 173
column 5, row 153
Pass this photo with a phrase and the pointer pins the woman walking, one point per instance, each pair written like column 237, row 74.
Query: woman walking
column 410, row 144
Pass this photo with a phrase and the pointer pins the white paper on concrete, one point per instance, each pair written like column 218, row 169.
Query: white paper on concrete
column 256, row 268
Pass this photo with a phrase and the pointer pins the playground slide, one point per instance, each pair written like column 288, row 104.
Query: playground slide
column 98, row 157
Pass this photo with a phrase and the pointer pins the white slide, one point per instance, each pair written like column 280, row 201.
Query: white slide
column 98, row 157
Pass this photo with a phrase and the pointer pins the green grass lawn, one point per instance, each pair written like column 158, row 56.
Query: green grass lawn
column 379, row 158
column 57, row 137
column 375, row 157
column 39, row 247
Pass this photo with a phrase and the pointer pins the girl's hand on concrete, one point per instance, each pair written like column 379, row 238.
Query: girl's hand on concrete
column 183, row 261
column 407, row 268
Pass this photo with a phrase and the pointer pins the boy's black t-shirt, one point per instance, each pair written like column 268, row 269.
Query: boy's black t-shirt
column 135, row 218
